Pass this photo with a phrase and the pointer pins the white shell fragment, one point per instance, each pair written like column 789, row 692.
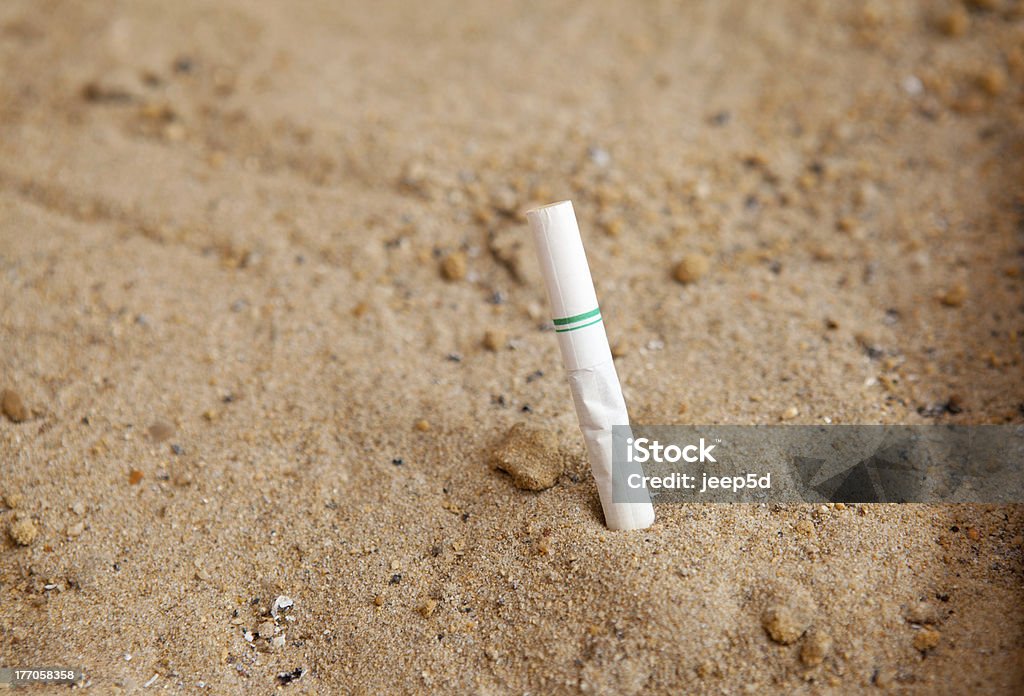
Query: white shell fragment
column 281, row 605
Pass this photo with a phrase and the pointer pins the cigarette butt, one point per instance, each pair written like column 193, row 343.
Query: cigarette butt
column 587, row 357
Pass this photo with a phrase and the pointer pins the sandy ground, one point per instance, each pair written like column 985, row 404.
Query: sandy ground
column 244, row 374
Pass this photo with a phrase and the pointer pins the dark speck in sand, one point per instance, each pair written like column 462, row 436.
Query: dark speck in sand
column 873, row 352
column 952, row 406
column 527, row 408
column 289, row 677
column 534, row 376
column 398, row 461
column 395, row 579
column 453, row 357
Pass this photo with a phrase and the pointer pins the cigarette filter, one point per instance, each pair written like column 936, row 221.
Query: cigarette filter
column 588, row 359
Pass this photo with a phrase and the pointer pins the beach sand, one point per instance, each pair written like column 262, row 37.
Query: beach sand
column 249, row 255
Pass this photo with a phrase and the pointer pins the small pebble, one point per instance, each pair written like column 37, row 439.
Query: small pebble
column 454, row 266
column 921, row 613
column 76, row 529
column 912, row 85
column 428, row 607
column 174, row 132
column 790, row 413
column 266, row 629
column 785, row 624
column 14, row 500
column 134, row 476
column 423, row 425
column 973, row 534
column 885, row 678
column 504, row 200
column 23, row 532
column 278, row 642
column 927, row 639
column 495, row 339
column 955, row 22
column 692, row 268
column 992, row 81
column 599, row 156
column 816, row 647
column 613, row 227
column 955, row 296
column 78, row 508
column 160, row 431
column 531, row 456
column 12, row 406
column 805, row 527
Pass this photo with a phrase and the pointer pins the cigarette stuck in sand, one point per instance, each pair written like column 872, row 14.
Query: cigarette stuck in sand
column 587, row 357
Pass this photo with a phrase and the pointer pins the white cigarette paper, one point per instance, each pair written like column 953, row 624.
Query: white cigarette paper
column 587, row 358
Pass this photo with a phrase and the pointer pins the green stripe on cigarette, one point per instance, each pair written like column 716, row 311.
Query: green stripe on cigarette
column 579, row 317
column 581, row 326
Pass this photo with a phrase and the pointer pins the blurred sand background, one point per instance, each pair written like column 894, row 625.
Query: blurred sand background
column 249, row 252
